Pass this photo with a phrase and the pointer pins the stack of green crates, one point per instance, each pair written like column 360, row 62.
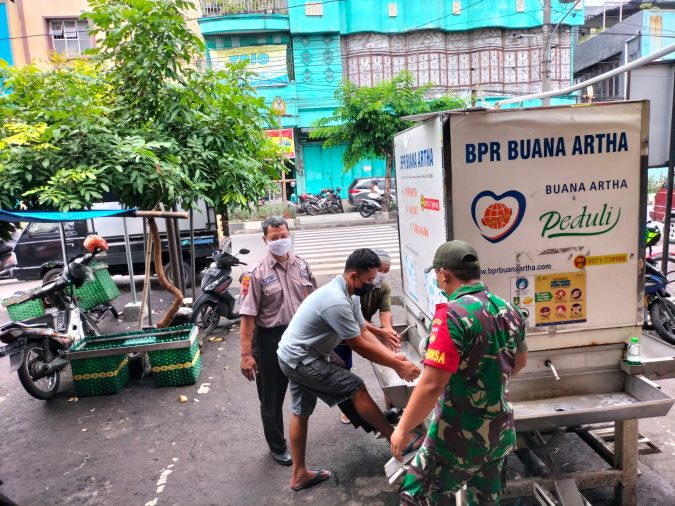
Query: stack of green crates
column 100, row 290
column 174, row 367
column 20, row 309
column 100, row 363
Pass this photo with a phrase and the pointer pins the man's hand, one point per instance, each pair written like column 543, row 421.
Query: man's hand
column 248, row 367
column 390, row 339
column 399, row 440
column 406, row 369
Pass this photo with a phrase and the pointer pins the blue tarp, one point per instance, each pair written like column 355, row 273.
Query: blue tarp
column 54, row 216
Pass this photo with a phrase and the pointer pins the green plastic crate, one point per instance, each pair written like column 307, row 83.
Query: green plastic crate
column 19, row 311
column 174, row 357
column 176, row 367
column 96, row 291
column 100, row 375
column 106, row 281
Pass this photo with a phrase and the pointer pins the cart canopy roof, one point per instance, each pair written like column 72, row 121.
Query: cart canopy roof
column 55, row 216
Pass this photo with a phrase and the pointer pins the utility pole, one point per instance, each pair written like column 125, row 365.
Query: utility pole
column 546, row 60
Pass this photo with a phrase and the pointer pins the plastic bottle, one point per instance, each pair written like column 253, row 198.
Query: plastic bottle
column 633, row 352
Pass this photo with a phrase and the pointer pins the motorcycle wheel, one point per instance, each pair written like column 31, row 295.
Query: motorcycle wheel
column 366, row 211
column 206, row 317
column 33, row 357
column 312, row 211
column 662, row 312
column 334, row 209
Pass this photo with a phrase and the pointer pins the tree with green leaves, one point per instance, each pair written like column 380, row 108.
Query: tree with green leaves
column 138, row 119
column 367, row 118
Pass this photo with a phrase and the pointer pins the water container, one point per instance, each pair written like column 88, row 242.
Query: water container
column 633, row 352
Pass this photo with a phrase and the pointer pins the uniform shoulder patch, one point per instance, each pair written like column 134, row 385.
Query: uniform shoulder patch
column 245, row 284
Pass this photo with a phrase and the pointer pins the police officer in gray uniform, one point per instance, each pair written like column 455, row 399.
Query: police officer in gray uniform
column 271, row 292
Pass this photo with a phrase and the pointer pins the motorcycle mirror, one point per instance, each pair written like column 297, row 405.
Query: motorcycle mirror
column 244, row 251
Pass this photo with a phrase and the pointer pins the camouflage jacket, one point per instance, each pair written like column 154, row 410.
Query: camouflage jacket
column 475, row 337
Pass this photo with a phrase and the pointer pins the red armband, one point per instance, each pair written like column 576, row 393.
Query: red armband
column 441, row 352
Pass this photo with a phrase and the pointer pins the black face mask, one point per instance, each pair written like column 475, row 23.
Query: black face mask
column 363, row 290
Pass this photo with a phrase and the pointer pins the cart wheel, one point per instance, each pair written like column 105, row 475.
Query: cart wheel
column 34, row 356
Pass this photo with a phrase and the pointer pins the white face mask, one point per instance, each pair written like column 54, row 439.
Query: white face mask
column 379, row 279
column 279, row 247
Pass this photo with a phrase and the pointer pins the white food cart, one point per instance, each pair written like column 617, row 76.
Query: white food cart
column 554, row 201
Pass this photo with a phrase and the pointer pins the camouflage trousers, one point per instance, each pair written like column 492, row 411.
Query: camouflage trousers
column 432, row 482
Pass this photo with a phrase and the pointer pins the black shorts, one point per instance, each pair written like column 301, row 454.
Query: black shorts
column 319, row 379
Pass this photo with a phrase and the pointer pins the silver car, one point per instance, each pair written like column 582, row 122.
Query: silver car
column 360, row 187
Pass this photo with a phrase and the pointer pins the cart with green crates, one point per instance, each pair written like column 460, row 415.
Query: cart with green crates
column 100, row 363
column 21, row 307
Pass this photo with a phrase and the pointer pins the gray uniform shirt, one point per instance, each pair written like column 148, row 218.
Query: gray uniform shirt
column 272, row 293
column 326, row 317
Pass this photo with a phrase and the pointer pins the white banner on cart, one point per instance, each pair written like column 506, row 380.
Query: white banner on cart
column 550, row 199
column 421, row 208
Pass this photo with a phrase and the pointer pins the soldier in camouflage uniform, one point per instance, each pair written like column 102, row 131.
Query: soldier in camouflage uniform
column 476, row 344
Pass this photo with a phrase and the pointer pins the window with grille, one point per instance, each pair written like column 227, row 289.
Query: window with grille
column 69, row 37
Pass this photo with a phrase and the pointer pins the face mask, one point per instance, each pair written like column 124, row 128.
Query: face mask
column 379, row 279
column 279, row 247
column 363, row 290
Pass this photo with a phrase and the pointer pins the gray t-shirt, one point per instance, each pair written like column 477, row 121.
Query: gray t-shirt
column 324, row 318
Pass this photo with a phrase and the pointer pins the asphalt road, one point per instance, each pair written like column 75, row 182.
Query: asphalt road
column 144, row 447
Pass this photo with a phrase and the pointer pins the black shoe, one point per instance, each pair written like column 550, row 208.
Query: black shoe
column 283, row 458
column 393, row 415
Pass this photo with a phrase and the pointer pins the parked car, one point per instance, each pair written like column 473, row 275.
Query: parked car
column 658, row 212
column 360, row 187
column 39, row 249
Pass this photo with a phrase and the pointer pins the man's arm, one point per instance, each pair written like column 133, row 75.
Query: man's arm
column 248, row 363
column 387, row 336
column 370, row 348
column 422, row 401
column 248, row 310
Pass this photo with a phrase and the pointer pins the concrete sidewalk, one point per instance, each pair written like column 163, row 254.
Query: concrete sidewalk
column 306, row 222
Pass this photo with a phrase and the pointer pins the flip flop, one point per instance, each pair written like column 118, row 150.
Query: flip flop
column 317, row 478
column 344, row 419
column 413, row 446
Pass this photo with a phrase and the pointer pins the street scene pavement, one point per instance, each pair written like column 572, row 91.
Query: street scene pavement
column 145, row 447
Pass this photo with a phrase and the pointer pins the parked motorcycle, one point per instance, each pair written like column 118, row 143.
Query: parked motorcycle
column 660, row 308
column 334, row 201
column 7, row 260
column 36, row 346
column 373, row 203
column 215, row 300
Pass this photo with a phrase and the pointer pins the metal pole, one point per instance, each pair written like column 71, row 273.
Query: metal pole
column 173, row 256
column 546, row 62
column 62, row 231
column 181, row 273
column 149, row 284
column 130, row 263
column 667, row 219
column 192, row 253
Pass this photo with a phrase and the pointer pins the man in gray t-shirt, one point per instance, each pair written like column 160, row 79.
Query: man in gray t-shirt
column 329, row 315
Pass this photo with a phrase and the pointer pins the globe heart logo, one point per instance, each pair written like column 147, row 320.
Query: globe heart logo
column 497, row 216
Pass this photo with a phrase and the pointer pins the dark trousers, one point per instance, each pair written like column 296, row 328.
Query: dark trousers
column 272, row 385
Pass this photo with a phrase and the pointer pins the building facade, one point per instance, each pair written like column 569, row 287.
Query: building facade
column 302, row 50
column 636, row 36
